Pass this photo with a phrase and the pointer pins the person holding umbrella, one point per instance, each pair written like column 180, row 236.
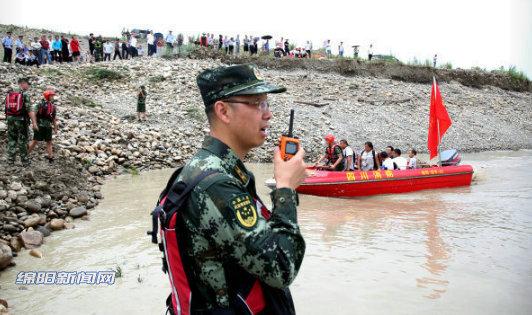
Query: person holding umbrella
column 267, row 43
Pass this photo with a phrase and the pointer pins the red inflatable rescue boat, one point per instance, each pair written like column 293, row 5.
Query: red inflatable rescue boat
column 360, row 183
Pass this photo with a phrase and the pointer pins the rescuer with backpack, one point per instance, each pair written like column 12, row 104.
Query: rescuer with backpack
column 18, row 114
column 224, row 251
column 45, row 112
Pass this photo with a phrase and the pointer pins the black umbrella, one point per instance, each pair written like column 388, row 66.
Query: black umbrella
column 266, row 37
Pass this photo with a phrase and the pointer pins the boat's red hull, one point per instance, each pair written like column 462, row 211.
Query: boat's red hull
column 358, row 183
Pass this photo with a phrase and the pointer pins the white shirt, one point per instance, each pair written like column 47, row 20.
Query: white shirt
column 35, row 45
column 412, row 163
column 349, row 152
column 108, row 48
column 367, row 161
column 150, row 38
column 388, row 164
column 308, row 46
column 133, row 41
column 170, row 38
column 401, row 162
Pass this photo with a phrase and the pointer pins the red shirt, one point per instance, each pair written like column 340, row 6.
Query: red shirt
column 74, row 45
column 45, row 44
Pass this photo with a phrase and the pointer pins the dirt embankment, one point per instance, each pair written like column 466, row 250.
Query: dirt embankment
column 377, row 69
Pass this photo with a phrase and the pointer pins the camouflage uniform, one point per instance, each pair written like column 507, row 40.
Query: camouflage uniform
column 98, row 49
column 230, row 237
column 45, row 124
column 141, row 102
column 17, row 131
column 228, row 234
column 337, row 152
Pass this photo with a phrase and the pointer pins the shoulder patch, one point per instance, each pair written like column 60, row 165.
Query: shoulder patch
column 245, row 210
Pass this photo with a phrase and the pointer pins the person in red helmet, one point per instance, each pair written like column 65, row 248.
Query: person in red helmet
column 46, row 112
column 333, row 157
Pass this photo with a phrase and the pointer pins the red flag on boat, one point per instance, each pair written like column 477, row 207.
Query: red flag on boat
column 438, row 119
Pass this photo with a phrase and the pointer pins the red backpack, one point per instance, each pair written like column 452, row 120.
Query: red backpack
column 167, row 215
column 14, row 104
column 46, row 110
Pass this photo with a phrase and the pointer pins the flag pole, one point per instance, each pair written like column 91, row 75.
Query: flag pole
column 439, row 142
column 438, row 126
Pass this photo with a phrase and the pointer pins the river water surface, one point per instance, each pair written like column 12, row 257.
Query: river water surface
column 452, row 251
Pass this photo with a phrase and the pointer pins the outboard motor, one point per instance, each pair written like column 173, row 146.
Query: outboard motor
column 450, row 157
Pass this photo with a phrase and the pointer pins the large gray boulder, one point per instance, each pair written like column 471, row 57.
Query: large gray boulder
column 78, row 212
column 6, row 256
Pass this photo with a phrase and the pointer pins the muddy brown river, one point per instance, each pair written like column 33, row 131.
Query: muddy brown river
column 451, row 251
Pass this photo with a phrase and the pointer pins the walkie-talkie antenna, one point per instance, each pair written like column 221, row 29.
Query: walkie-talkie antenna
column 291, row 125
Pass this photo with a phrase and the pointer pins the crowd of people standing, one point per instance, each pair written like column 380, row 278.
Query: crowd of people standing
column 61, row 48
column 41, row 50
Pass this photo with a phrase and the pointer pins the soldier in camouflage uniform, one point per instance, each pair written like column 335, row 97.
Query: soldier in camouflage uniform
column 98, row 49
column 230, row 235
column 45, row 111
column 141, row 103
column 17, row 126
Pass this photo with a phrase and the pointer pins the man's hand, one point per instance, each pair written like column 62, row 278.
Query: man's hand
column 291, row 173
column 35, row 127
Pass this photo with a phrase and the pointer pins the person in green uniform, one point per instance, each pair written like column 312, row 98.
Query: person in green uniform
column 98, row 49
column 46, row 113
column 141, row 104
column 232, row 239
column 18, row 115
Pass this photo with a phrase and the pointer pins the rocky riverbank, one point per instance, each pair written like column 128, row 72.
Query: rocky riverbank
column 100, row 137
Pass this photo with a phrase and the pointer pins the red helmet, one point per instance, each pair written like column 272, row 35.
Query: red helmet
column 47, row 94
column 329, row 138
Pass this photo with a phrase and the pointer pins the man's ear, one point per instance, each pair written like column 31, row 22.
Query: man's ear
column 222, row 111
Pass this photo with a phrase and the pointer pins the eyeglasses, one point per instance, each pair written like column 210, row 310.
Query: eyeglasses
column 262, row 105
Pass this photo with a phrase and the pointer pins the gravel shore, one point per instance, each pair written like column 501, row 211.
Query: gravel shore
column 100, row 137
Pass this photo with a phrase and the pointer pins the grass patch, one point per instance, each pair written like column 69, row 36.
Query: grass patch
column 82, row 101
column 448, row 66
column 194, row 113
column 51, row 72
column 157, row 78
column 134, row 171
column 516, row 74
column 98, row 74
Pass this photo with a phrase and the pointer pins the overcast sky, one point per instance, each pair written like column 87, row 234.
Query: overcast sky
column 488, row 34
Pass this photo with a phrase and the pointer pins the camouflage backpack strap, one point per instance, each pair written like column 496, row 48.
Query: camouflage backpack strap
column 180, row 191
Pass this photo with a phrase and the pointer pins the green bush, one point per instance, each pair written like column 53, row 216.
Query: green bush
column 516, row 74
column 157, row 78
column 82, row 101
column 97, row 73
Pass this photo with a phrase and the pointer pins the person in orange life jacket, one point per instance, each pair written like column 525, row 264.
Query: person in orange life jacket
column 46, row 117
column 333, row 156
